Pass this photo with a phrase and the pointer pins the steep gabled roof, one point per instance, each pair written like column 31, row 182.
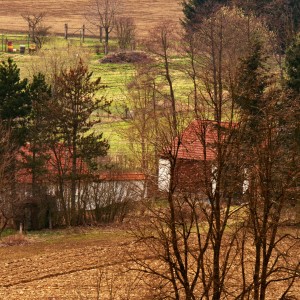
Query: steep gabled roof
column 198, row 140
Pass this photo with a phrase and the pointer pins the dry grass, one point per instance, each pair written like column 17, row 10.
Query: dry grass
column 146, row 13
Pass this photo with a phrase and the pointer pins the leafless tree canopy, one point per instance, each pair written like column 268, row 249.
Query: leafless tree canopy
column 221, row 231
column 125, row 29
column 37, row 30
column 103, row 13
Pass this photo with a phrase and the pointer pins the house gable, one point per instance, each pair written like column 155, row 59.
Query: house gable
column 194, row 155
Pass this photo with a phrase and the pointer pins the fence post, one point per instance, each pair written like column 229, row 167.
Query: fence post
column 83, row 32
column 66, row 31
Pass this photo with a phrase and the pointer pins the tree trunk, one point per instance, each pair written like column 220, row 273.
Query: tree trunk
column 106, row 40
column 74, row 213
column 172, row 95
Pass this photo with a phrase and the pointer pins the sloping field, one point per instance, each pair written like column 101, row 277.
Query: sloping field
column 80, row 266
column 92, row 265
column 146, row 13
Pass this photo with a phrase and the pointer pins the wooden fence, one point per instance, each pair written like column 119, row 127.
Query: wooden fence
column 83, row 32
column 14, row 43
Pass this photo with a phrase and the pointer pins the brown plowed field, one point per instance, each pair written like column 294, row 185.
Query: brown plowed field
column 145, row 12
column 69, row 268
column 91, row 265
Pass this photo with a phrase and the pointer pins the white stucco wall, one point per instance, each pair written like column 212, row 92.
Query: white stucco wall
column 164, row 167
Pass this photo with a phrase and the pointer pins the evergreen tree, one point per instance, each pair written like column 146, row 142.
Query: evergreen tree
column 195, row 10
column 15, row 103
column 295, row 9
column 293, row 65
column 281, row 16
column 15, row 107
column 190, row 10
column 75, row 105
column 270, row 157
column 14, row 98
column 252, row 84
column 293, row 83
column 72, row 117
column 40, row 95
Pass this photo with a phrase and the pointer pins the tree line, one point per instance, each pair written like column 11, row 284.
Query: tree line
column 47, row 139
column 235, row 235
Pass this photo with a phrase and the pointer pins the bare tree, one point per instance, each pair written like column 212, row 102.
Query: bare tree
column 103, row 13
column 197, row 237
column 125, row 29
column 143, row 117
column 269, row 124
column 271, row 174
column 144, row 109
column 185, row 236
column 214, row 57
column 37, row 30
column 170, row 234
column 162, row 43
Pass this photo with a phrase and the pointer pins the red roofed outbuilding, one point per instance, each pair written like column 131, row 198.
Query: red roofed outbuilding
column 194, row 152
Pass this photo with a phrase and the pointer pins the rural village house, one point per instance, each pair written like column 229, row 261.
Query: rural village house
column 194, row 156
column 96, row 189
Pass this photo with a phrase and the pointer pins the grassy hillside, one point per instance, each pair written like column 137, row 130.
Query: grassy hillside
column 145, row 12
column 114, row 76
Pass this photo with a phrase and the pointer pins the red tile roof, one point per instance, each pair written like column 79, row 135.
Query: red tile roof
column 122, row 176
column 60, row 160
column 198, row 140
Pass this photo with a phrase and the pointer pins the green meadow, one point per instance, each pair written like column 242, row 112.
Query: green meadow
column 114, row 76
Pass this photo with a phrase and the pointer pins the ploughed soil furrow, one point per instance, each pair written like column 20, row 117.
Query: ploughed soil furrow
column 68, row 270
column 52, row 275
column 58, row 263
